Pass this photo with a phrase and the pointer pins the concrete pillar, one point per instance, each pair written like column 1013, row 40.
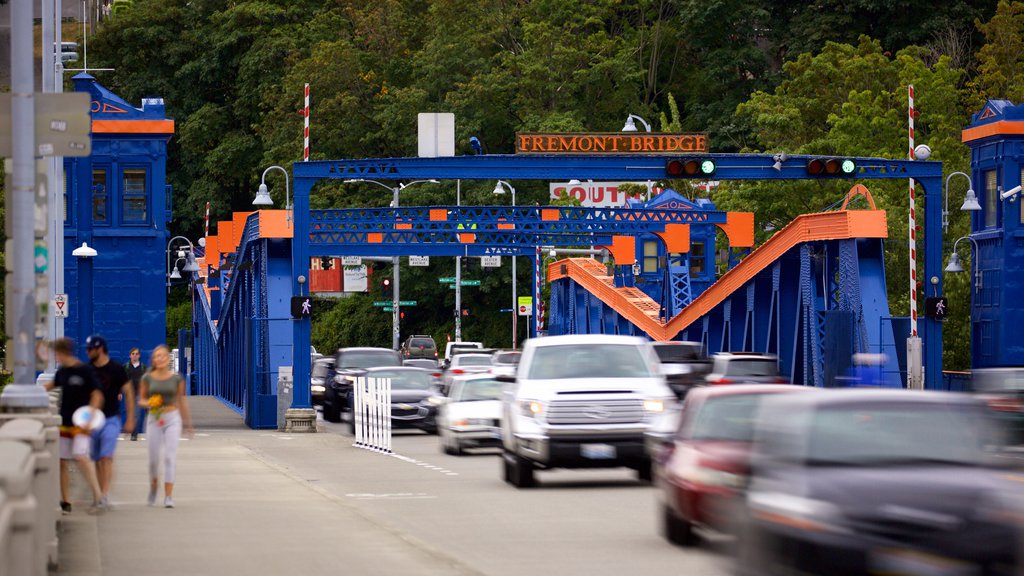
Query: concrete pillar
column 46, row 484
column 17, row 471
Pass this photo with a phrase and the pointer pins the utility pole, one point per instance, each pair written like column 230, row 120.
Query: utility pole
column 458, row 274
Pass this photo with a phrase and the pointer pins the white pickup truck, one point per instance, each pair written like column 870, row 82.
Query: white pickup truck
column 583, row 401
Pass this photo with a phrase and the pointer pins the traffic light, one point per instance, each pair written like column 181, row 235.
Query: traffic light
column 702, row 167
column 385, row 287
column 838, row 167
column 326, row 262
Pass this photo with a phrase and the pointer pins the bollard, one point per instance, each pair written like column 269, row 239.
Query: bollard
column 16, row 475
column 45, row 486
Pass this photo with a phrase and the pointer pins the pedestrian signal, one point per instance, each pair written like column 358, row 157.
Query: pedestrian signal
column 840, row 167
column 690, row 168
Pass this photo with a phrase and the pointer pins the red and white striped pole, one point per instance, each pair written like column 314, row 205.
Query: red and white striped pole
column 305, row 131
column 912, row 224
column 206, row 222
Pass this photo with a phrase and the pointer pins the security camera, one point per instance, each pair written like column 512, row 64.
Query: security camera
column 1010, row 193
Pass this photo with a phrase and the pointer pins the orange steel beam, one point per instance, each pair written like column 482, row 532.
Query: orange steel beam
column 638, row 309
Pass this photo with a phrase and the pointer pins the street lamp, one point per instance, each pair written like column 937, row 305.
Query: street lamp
column 970, row 200
column 263, row 195
column 395, row 315
column 631, row 126
column 499, row 189
column 187, row 256
column 954, row 261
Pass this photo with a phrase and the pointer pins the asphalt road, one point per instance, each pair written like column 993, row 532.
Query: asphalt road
column 574, row 522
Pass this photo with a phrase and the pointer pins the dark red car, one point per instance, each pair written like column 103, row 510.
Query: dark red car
column 703, row 470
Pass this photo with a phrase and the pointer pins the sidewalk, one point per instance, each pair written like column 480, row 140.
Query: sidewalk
column 237, row 512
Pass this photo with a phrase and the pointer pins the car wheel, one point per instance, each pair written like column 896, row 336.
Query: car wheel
column 520, row 472
column 506, row 466
column 644, row 472
column 446, row 446
column 675, row 529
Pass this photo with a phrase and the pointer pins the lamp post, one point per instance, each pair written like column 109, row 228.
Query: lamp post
column 970, row 200
column 263, row 195
column 955, row 266
column 499, row 188
column 85, row 254
column 188, row 256
column 631, row 126
column 395, row 276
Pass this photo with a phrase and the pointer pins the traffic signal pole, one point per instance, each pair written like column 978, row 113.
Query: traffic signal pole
column 394, row 289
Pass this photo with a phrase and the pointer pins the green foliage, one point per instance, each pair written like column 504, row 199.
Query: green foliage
column 179, row 316
column 1001, row 59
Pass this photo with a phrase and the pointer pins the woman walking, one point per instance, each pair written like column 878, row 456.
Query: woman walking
column 162, row 391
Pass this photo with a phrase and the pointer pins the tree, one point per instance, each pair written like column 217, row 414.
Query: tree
column 1001, row 59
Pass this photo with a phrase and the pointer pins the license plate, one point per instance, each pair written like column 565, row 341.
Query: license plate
column 898, row 562
column 496, row 434
column 597, row 451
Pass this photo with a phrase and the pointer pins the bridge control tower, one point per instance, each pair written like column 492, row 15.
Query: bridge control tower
column 996, row 139
column 118, row 202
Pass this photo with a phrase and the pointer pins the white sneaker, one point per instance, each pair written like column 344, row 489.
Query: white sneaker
column 168, row 503
column 151, row 499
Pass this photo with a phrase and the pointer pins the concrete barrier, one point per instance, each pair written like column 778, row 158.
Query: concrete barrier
column 371, row 413
column 17, row 473
column 46, row 483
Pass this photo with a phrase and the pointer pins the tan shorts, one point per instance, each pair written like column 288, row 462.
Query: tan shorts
column 74, row 447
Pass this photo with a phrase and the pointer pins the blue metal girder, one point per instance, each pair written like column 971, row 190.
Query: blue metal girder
column 607, row 167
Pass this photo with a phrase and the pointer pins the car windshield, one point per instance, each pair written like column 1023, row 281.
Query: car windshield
column 588, row 361
column 369, row 359
column 405, row 379
column 729, row 417
column 877, row 434
column 472, row 360
column 751, row 367
column 677, row 353
column 478, row 389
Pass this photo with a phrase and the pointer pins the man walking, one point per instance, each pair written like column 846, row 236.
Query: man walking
column 78, row 387
column 114, row 384
column 135, row 369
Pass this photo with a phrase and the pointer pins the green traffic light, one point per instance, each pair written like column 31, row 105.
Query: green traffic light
column 848, row 166
column 707, row 167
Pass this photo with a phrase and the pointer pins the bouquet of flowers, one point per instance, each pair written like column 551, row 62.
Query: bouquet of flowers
column 156, row 407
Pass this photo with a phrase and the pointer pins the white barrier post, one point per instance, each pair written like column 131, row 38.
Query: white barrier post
column 357, row 412
column 371, row 413
column 387, row 417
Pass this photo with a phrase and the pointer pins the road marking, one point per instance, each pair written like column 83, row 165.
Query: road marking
column 425, row 465
column 394, row 496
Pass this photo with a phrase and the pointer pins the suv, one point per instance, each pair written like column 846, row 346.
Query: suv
column 455, row 345
column 349, row 364
column 745, row 368
column 583, row 401
column 419, row 346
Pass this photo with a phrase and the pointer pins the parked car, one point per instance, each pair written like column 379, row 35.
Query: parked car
column 450, row 346
column 684, row 365
column 410, row 390
column 321, row 373
column 419, row 346
column 583, row 401
column 350, row 363
column 879, row 481
column 464, row 364
column 471, row 415
column 505, row 361
column 702, row 470
column 744, row 368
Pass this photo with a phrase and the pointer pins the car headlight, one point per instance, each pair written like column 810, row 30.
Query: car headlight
column 318, row 388
column 796, row 512
column 532, row 408
column 467, row 422
column 712, row 477
column 434, row 400
column 654, row 405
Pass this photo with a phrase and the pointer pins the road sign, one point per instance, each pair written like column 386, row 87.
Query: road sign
column 525, row 305
column 419, row 260
column 470, row 282
column 389, row 303
column 490, row 261
column 380, row 303
column 60, row 305
column 62, row 124
column 351, row 261
column 447, row 280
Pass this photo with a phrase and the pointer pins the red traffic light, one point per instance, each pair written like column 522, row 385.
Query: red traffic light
column 386, row 282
